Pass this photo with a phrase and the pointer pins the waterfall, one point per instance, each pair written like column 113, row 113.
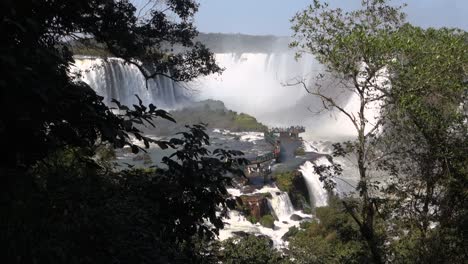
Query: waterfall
column 281, row 205
column 254, row 82
column 113, row 79
column 317, row 193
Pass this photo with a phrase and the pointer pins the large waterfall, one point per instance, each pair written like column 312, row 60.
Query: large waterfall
column 256, row 83
column 253, row 83
column 114, row 79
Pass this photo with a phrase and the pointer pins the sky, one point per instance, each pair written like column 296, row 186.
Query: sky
column 271, row 17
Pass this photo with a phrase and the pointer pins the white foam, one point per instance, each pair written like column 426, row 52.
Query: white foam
column 316, row 188
column 281, row 206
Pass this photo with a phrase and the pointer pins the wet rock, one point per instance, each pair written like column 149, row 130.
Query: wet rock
column 257, row 205
column 239, row 182
column 248, row 189
column 268, row 221
column 296, row 217
column 240, row 234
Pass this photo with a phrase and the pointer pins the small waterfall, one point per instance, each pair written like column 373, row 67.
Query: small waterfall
column 113, row 79
column 318, row 194
column 281, row 205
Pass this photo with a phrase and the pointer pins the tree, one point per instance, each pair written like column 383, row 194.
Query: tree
column 44, row 108
column 354, row 48
column 425, row 142
column 249, row 249
column 332, row 238
column 58, row 203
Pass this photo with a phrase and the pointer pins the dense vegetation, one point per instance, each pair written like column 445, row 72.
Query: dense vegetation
column 411, row 151
column 61, row 199
column 214, row 114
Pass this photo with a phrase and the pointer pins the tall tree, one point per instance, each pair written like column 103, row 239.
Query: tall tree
column 354, row 49
column 425, row 141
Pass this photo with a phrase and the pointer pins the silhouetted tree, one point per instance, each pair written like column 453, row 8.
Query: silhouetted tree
column 58, row 202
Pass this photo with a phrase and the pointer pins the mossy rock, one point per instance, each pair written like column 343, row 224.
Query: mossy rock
column 294, row 184
column 268, row 221
column 299, row 151
column 252, row 219
column 284, row 180
column 267, row 195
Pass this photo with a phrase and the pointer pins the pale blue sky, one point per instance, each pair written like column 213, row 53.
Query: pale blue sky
column 271, row 17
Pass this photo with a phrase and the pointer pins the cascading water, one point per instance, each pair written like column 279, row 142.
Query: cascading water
column 254, row 82
column 281, row 205
column 114, row 79
column 251, row 82
column 318, row 194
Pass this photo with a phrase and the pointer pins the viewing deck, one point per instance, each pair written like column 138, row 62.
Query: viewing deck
column 274, row 136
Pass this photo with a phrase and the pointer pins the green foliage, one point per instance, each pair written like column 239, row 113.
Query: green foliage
column 252, row 219
column 299, row 151
column 426, row 138
column 249, row 249
column 247, row 122
column 105, row 153
column 61, row 199
column 293, row 183
column 292, row 231
column 284, row 180
column 55, row 110
column 333, row 238
column 421, row 147
column 90, row 213
column 307, row 210
column 267, row 195
column 213, row 113
column 88, row 47
column 355, row 48
column 267, row 221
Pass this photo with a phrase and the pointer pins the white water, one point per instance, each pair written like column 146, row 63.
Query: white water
column 113, row 79
column 281, row 205
column 347, row 182
column 317, row 192
column 243, row 136
column 282, row 208
column 252, row 82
